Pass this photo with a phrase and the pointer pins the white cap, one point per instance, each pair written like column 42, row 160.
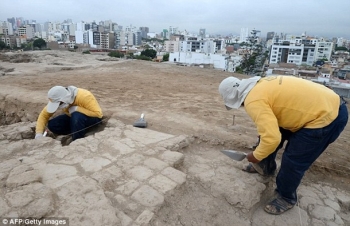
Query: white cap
column 234, row 90
column 55, row 95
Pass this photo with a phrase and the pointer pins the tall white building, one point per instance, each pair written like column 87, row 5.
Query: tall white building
column 7, row 28
column 202, row 33
column 173, row 30
column 340, row 42
column 126, row 38
column 81, row 36
column 244, row 35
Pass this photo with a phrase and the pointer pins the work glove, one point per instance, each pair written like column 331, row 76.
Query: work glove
column 38, row 135
column 72, row 109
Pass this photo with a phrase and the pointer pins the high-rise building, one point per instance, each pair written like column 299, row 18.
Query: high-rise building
column 244, row 35
column 137, row 39
column 202, row 33
column 12, row 21
column 144, row 32
column 173, row 30
column 165, row 34
column 270, row 35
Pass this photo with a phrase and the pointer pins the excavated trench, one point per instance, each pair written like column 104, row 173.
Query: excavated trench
column 17, row 121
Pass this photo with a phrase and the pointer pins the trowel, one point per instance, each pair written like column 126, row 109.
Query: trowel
column 141, row 122
column 236, row 155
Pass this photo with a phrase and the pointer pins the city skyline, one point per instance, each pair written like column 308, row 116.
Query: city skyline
column 315, row 17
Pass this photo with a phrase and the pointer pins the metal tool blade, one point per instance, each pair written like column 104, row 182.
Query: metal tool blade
column 236, row 155
column 141, row 122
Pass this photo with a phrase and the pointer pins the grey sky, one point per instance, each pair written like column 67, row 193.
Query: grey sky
column 316, row 17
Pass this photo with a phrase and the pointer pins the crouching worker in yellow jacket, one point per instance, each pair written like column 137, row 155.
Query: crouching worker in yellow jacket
column 80, row 107
column 307, row 115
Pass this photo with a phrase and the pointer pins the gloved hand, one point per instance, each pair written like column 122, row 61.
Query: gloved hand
column 38, row 135
column 72, row 109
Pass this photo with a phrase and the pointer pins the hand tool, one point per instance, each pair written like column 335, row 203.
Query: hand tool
column 236, row 155
column 141, row 122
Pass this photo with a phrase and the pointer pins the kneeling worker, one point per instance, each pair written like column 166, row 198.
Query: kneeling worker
column 307, row 115
column 81, row 111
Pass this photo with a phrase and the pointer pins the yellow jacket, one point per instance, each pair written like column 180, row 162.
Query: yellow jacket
column 86, row 102
column 291, row 103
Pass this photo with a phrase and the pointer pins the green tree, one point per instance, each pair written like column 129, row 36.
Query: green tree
column 2, row 45
column 26, row 46
column 149, row 53
column 115, row 54
column 341, row 48
column 239, row 70
column 142, row 57
column 40, row 43
column 166, row 57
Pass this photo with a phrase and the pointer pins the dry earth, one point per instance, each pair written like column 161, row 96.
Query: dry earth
column 177, row 100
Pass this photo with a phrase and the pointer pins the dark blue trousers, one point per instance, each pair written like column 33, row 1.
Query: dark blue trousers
column 75, row 124
column 302, row 149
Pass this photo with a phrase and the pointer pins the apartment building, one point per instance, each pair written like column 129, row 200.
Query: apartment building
column 94, row 39
column 299, row 50
column 219, row 45
column 107, row 40
column 26, row 31
column 20, row 41
column 117, row 39
column 6, row 28
column 144, row 32
column 192, row 44
column 4, row 31
column 323, row 50
column 8, row 40
column 286, row 54
column 126, row 38
column 171, row 46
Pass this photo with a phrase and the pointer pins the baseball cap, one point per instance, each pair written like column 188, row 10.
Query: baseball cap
column 55, row 95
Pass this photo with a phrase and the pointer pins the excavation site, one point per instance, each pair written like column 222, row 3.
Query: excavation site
column 171, row 172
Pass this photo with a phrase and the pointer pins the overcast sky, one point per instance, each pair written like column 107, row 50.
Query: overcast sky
column 315, row 17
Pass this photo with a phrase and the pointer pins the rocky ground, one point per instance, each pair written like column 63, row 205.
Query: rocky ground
column 171, row 173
